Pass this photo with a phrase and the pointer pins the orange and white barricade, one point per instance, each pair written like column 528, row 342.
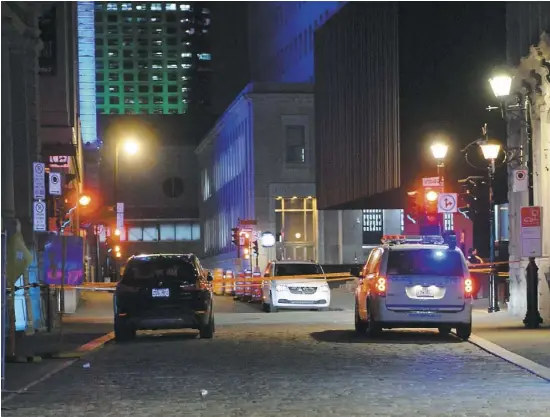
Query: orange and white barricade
column 218, row 286
column 248, row 285
column 257, row 286
column 229, row 283
column 239, row 288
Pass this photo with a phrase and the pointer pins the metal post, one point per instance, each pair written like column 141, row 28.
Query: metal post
column 493, row 293
column 532, row 319
column 97, row 257
column 115, row 201
column 4, row 301
column 62, row 294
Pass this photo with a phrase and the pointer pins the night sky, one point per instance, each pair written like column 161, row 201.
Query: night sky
column 447, row 51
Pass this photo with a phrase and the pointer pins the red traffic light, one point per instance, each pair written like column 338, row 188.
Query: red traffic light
column 432, row 196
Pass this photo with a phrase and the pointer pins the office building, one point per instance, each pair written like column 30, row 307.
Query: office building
column 152, row 58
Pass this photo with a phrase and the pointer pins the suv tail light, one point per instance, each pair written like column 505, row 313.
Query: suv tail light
column 381, row 286
column 468, row 287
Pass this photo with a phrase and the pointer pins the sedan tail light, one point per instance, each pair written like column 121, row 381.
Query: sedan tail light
column 381, row 286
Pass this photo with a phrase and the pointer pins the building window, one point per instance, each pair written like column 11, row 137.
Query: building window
column 150, row 234
column 143, row 88
column 114, row 100
column 114, row 89
column 112, row 7
column 294, row 217
column 129, row 89
column 126, row 7
column 185, row 7
column 167, row 232
column 100, row 88
column 173, row 187
column 171, row 6
column 372, row 220
column 156, row 6
column 295, row 141
column 205, row 57
column 135, row 234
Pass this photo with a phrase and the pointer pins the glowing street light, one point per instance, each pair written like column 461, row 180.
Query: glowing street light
column 439, row 150
column 490, row 149
column 117, row 232
column 431, row 196
column 501, row 84
column 84, row 200
column 131, row 147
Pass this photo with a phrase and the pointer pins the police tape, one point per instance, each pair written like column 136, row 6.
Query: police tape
column 235, row 281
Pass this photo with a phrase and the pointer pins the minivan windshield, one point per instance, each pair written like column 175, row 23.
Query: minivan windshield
column 297, row 269
column 147, row 268
column 425, row 262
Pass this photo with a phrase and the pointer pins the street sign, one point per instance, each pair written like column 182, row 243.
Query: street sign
column 39, row 181
column 59, row 161
column 431, row 182
column 531, row 231
column 120, row 221
column 521, row 181
column 446, row 203
column 55, row 183
column 39, row 216
column 119, row 215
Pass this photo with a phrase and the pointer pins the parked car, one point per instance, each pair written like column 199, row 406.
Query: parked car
column 163, row 291
column 302, row 292
column 414, row 282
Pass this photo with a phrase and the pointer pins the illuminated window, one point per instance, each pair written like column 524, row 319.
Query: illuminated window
column 186, row 55
column 112, row 7
column 171, row 6
column 129, row 100
column 205, row 57
column 184, row 232
column 156, row 77
column 172, row 64
column 142, row 6
column 126, row 7
column 372, row 220
column 186, row 66
column 112, row 53
column 157, row 111
column 114, row 89
column 113, row 76
column 167, row 232
column 185, row 7
column 158, row 100
column 143, row 100
column 156, row 6
column 129, row 89
column 135, row 234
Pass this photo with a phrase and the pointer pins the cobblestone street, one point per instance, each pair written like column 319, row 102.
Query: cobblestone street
column 291, row 368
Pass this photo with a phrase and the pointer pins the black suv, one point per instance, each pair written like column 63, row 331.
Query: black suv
column 163, row 291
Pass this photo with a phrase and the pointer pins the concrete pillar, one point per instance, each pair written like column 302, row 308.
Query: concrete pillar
column 20, row 136
column 8, row 201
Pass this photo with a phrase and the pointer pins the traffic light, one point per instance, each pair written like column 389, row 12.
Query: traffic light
column 432, row 222
column 255, row 248
column 246, row 239
column 471, row 204
column 246, row 252
column 235, row 236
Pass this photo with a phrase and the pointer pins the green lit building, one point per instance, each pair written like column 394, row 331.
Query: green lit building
column 152, row 58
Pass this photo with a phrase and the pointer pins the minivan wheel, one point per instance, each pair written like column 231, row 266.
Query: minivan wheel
column 360, row 325
column 464, row 331
column 123, row 331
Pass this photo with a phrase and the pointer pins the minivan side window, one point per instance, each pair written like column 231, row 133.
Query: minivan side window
column 374, row 262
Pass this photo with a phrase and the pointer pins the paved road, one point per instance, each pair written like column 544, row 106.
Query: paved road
column 287, row 364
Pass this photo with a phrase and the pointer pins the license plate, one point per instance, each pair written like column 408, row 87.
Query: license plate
column 161, row 292
column 425, row 292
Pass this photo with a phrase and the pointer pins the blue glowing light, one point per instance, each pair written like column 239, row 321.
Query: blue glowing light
column 86, row 71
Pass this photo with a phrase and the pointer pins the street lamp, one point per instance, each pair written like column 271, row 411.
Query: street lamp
column 131, row 147
column 501, row 84
column 491, row 150
column 84, row 200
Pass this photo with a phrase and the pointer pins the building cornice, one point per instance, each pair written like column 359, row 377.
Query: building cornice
column 532, row 76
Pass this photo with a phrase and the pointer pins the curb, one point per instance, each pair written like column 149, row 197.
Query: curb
column 72, row 358
column 511, row 357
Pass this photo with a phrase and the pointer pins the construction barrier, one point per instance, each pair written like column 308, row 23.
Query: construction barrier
column 257, row 287
column 239, row 286
column 247, row 296
column 229, row 283
column 217, row 284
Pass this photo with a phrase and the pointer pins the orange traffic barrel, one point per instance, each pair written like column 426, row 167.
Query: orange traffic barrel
column 218, row 286
column 239, row 287
column 229, row 283
column 248, row 285
column 257, row 286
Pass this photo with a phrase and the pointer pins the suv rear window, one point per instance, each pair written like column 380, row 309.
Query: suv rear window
column 425, row 262
column 297, row 269
column 144, row 269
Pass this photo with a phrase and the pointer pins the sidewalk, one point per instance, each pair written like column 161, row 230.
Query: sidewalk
column 508, row 332
column 43, row 353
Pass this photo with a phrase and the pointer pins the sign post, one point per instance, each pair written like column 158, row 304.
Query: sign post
column 39, row 181
column 55, row 183
column 521, row 181
column 531, row 231
column 39, row 223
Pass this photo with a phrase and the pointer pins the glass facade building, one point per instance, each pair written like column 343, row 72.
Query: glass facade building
column 152, row 58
